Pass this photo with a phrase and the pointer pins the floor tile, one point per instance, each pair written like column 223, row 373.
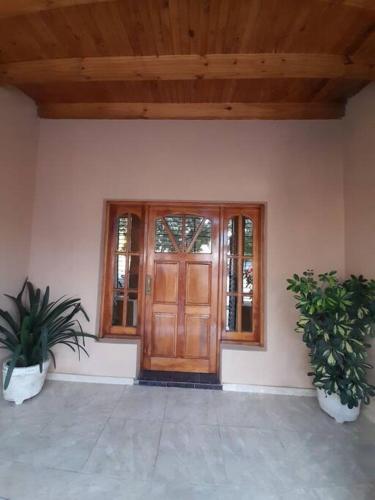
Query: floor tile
column 141, row 402
column 190, row 453
column 357, row 492
column 127, row 448
column 25, row 482
column 189, row 405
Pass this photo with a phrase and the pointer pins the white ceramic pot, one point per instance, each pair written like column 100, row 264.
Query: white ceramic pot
column 331, row 404
column 24, row 383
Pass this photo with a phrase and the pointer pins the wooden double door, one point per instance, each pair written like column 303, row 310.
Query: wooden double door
column 181, row 286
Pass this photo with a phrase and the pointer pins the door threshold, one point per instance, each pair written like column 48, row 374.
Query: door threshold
column 187, row 380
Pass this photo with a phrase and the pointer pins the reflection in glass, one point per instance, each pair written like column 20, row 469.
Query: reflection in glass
column 247, row 276
column 232, row 278
column 231, row 313
column 122, row 233
column 192, row 223
column 133, row 271
column 247, row 313
column 120, row 271
column 136, row 233
column 118, row 307
column 175, row 224
column 247, row 228
column 203, row 242
column 233, row 235
column 132, row 310
column 163, row 242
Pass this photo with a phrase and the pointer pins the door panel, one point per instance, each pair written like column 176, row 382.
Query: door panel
column 197, row 329
column 166, row 282
column 181, row 305
column 164, row 334
column 198, row 283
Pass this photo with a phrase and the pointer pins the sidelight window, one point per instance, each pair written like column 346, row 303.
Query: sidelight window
column 242, row 276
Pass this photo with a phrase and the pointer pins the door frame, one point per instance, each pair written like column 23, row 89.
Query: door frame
column 222, row 205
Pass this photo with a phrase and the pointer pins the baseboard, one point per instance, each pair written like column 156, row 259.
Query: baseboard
column 90, row 379
column 267, row 389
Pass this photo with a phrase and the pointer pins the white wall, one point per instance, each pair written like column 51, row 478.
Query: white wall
column 359, row 167
column 18, row 145
column 295, row 167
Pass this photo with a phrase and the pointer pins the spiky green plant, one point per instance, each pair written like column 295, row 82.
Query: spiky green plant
column 336, row 319
column 37, row 325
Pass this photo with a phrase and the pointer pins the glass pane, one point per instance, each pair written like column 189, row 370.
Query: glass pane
column 247, row 225
column 232, row 278
column 233, row 235
column 231, row 313
column 247, row 276
column 122, row 233
column 120, row 271
column 132, row 310
column 118, row 307
column 136, row 233
column 133, row 272
column 203, row 242
column 247, row 313
column 192, row 223
column 162, row 240
column 175, row 224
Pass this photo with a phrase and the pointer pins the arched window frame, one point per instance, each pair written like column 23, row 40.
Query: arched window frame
column 255, row 336
column 114, row 211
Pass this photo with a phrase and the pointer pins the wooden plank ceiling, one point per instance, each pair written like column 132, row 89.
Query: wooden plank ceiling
column 239, row 59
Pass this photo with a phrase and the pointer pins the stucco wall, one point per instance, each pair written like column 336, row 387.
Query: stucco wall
column 295, row 167
column 18, row 144
column 359, row 167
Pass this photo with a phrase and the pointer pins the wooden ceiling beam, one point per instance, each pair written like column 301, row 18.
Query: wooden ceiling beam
column 10, row 8
column 190, row 111
column 186, row 67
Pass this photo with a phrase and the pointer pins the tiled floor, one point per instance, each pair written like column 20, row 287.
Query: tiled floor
column 83, row 441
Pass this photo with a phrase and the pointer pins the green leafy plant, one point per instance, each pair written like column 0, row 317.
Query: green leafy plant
column 37, row 325
column 336, row 319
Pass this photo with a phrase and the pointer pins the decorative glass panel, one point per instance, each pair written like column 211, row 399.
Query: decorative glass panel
column 247, row 314
column 118, row 307
column 163, row 243
column 231, row 313
column 232, row 278
column 132, row 310
column 247, row 276
column 133, row 272
column 247, row 228
column 185, row 229
column 233, row 235
column 175, row 224
column 192, row 223
column 203, row 242
column 120, row 271
column 136, row 233
column 122, row 233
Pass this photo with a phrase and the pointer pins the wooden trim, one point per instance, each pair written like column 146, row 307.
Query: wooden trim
column 198, row 111
column 359, row 4
column 10, row 8
column 187, row 67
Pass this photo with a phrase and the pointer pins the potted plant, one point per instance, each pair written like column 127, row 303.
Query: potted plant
column 337, row 318
column 30, row 334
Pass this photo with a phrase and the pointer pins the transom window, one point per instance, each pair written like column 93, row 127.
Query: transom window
column 183, row 233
